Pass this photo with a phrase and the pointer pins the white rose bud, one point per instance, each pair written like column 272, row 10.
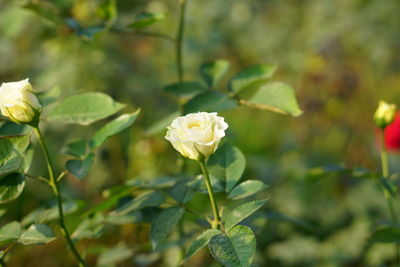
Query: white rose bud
column 384, row 114
column 19, row 103
column 196, row 135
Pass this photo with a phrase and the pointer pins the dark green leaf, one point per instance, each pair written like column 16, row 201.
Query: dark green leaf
column 251, row 77
column 386, row 235
column 242, row 212
column 145, row 19
column 8, row 128
column 84, row 108
column 201, row 241
column 37, row 234
column 10, row 232
column 246, row 189
column 11, row 186
column 116, row 126
column 75, row 149
column 183, row 190
column 164, row 224
column 185, row 89
column 209, row 101
column 276, row 97
column 213, row 72
column 227, row 165
column 12, row 152
column 235, row 248
column 80, row 168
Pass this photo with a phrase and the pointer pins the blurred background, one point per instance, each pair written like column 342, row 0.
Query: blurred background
column 341, row 57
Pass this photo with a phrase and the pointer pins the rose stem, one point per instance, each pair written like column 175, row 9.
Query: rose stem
column 54, row 185
column 217, row 220
column 388, row 196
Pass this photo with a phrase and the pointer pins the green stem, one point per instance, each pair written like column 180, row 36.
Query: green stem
column 388, row 196
column 179, row 39
column 216, row 220
column 54, row 185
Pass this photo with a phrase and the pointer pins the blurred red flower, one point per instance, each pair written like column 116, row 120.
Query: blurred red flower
column 392, row 134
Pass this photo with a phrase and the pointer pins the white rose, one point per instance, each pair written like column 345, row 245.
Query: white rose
column 196, row 133
column 18, row 102
column 384, row 114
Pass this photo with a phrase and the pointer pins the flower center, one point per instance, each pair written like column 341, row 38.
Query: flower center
column 193, row 124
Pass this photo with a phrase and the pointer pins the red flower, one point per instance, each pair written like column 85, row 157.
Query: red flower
column 392, row 134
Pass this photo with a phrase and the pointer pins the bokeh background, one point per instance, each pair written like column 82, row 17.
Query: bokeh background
column 341, row 57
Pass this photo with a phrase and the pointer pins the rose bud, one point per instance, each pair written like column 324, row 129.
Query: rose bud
column 384, row 114
column 197, row 135
column 19, row 103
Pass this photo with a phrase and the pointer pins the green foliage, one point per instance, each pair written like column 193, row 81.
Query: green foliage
column 250, row 78
column 209, row 101
column 186, row 88
column 36, row 234
column 164, row 223
column 75, row 149
column 80, row 168
column 12, row 151
column 246, row 189
column 201, row 241
column 183, row 190
column 213, row 72
column 10, row 232
column 389, row 234
column 84, row 108
column 114, row 255
column 235, row 247
column 227, row 164
column 145, row 200
column 11, row 186
column 146, row 19
column 242, row 212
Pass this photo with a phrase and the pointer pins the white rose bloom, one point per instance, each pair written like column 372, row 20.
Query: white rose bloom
column 196, row 133
column 18, row 102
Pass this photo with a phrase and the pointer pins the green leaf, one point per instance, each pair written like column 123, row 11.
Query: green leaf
column 116, row 126
column 227, row 164
column 12, row 151
column 50, row 96
column 162, row 124
column 91, row 227
column 84, row 108
column 145, row 200
column 213, row 72
column 209, row 101
column 145, row 19
column 183, row 191
column 114, row 255
column 9, row 128
column 246, row 189
column 131, row 217
column 11, row 186
column 80, row 168
column 386, row 235
column 275, row 96
column 37, row 234
column 235, row 248
column 75, row 149
column 164, row 224
column 186, row 88
column 10, row 232
column 251, row 77
column 201, row 241
column 242, row 212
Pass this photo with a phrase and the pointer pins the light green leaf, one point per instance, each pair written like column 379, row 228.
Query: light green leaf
column 37, row 234
column 146, row 19
column 145, row 200
column 201, row 241
column 116, row 126
column 91, row 227
column 213, row 72
column 75, row 149
column 276, row 97
column 50, row 96
column 227, row 164
column 186, row 88
column 386, row 235
column 164, row 224
column 242, row 212
column 114, row 255
column 246, row 189
column 209, row 101
column 80, row 168
column 10, row 232
column 11, row 186
column 84, row 108
column 235, row 248
column 12, row 151
column 131, row 217
column 251, row 77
